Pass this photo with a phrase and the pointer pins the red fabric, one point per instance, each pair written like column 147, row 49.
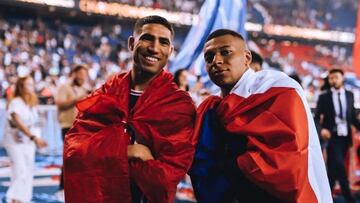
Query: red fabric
column 96, row 168
column 275, row 124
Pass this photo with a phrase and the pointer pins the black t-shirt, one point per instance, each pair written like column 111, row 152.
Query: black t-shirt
column 137, row 195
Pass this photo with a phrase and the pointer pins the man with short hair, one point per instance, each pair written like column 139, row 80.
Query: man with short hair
column 66, row 97
column 131, row 141
column 335, row 114
column 257, row 142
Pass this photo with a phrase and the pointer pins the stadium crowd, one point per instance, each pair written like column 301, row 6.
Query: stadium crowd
column 301, row 13
column 47, row 50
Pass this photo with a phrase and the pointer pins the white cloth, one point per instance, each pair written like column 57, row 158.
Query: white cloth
column 341, row 123
column 21, row 151
column 22, row 157
column 255, row 83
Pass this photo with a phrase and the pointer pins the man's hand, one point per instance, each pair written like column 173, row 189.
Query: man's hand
column 325, row 134
column 139, row 151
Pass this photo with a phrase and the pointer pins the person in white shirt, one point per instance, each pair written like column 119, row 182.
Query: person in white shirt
column 21, row 139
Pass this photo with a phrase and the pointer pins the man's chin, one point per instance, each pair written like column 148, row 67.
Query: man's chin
column 224, row 84
column 151, row 70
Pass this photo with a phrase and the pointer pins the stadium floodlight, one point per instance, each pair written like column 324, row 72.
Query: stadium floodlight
column 58, row 3
column 309, row 33
column 128, row 11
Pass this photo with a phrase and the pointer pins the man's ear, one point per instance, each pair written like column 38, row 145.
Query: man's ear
column 131, row 41
column 171, row 49
column 248, row 58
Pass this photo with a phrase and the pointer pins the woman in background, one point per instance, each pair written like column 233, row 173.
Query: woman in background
column 180, row 78
column 21, row 140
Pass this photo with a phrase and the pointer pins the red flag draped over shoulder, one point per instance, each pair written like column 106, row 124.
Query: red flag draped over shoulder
column 283, row 154
column 96, row 167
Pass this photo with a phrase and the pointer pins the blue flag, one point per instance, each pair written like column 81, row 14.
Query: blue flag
column 214, row 14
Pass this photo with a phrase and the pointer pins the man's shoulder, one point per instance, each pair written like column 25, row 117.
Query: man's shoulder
column 114, row 80
column 325, row 93
column 63, row 88
column 116, row 77
column 348, row 92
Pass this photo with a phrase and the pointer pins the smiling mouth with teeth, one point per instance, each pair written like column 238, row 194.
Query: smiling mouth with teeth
column 151, row 59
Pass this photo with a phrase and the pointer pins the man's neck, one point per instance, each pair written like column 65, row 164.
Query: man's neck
column 338, row 89
column 140, row 80
column 226, row 91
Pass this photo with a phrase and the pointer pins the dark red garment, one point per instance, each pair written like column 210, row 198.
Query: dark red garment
column 96, row 166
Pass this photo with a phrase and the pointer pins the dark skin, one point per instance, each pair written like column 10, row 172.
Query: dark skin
column 227, row 58
column 151, row 47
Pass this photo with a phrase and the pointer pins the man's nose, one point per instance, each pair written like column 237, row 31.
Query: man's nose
column 154, row 46
column 218, row 59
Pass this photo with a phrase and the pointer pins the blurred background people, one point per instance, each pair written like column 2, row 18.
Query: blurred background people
column 21, row 139
column 66, row 97
column 181, row 79
column 256, row 62
column 336, row 113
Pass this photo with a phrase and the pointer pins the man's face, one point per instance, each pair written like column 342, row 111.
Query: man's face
column 151, row 47
column 80, row 77
column 336, row 80
column 226, row 60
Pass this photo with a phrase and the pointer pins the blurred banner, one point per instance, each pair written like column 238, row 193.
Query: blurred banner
column 214, row 14
column 356, row 52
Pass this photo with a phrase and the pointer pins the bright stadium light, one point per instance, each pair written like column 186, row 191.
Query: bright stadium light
column 59, row 3
column 188, row 19
column 128, row 11
column 253, row 27
column 308, row 33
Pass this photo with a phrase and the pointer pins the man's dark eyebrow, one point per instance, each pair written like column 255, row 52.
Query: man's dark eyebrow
column 165, row 39
column 147, row 35
column 225, row 46
column 208, row 52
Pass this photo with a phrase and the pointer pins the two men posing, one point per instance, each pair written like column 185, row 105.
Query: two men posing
column 136, row 136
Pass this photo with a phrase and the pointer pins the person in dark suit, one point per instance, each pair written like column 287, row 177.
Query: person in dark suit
column 335, row 114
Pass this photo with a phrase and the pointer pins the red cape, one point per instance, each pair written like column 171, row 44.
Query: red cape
column 275, row 123
column 96, row 167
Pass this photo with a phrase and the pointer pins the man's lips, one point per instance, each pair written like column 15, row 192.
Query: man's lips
column 219, row 72
column 150, row 59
